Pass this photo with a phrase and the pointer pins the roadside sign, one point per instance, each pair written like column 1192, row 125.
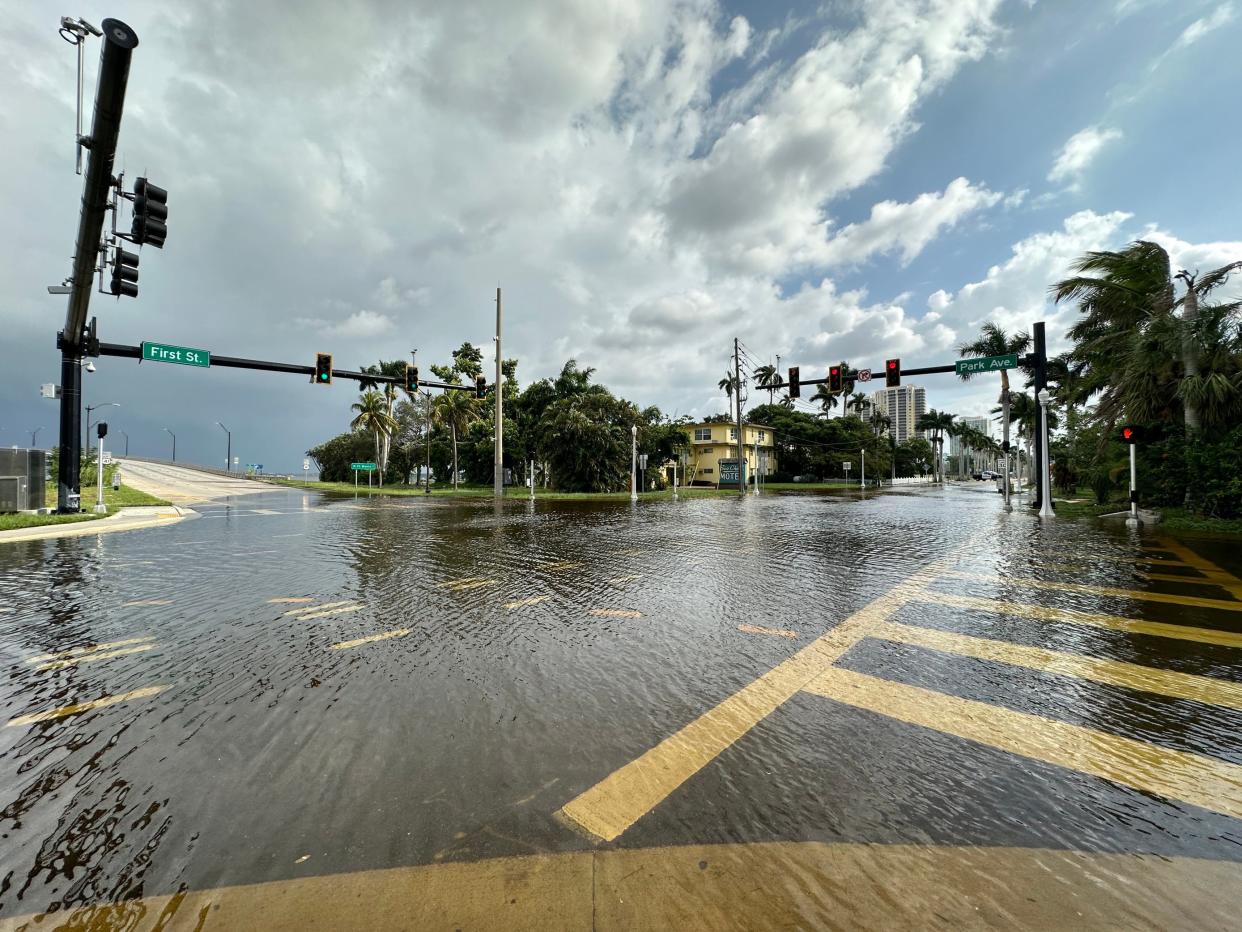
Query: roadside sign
column 986, row 364
column 305, row 465
column 728, row 472
column 182, row 355
column 864, row 375
column 236, row 460
column 362, row 467
column 642, row 460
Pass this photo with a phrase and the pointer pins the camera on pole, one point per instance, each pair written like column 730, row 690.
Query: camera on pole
column 124, row 273
column 150, row 214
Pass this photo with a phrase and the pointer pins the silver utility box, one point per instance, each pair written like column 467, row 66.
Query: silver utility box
column 23, row 478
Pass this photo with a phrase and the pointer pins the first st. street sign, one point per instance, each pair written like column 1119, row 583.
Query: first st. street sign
column 986, row 364
column 182, row 355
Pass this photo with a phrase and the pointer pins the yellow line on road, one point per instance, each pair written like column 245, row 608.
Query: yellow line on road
column 312, row 608
column 57, row 655
column 1193, row 580
column 331, row 611
column 91, row 658
column 623, row 797
column 147, row 602
column 533, row 600
column 1111, row 622
column 84, row 706
column 358, row 642
column 625, row 579
column 760, row 629
column 1188, row 600
column 457, row 582
column 290, row 600
column 616, row 612
column 1192, row 778
column 1110, row 672
column 1205, row 566
column 462, row 587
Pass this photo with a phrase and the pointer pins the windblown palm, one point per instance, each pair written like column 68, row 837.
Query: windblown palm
column 938, row 424
column 827, row 400
column 728, row 385
column 858, row 401
column 767, row 377
column 372, row 414
column 456, row 410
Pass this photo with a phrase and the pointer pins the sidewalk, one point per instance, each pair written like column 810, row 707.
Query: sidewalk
column 126, row 519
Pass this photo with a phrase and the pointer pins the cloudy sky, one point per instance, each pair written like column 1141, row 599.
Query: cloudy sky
column 646, row 179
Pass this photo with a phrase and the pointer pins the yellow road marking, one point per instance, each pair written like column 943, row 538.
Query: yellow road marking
column 357, row 642
column 760, row 629
column 1192, row 778
column 1111, row 622
column 462, row 587
column 312, row 608
column 57, row 655
column 1205, row 566
column 533, row 600
column 616, row 612
column 91, row 658
column 331, row 611
column 562, row 565
column 623, row 797
column 1194, row 580
column 624, row 579
column 1190, row 600
column 147, row 602
column 1110, row 672
column 84, row 706
column 290, row 600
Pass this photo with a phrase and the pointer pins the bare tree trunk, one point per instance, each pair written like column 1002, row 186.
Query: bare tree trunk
column 454, row 428
column 1190, row 355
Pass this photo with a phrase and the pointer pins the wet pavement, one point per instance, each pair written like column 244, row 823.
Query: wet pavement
column 893, row 708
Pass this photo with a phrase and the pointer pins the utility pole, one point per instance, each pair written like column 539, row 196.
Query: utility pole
column 1004, row 400
column 119, row 42
column 1040, row 352
column 498, row 478
column 737, row 407
column 633, row 462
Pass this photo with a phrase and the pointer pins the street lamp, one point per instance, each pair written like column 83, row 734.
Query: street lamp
column 228, row 456
column 33, row 434
column 1045, row 470
column 126, row 436
column 174, row 436
column 89, row 408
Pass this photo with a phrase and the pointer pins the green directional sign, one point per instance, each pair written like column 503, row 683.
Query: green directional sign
column 182, row 355
column 362, row 467
column 986, row 364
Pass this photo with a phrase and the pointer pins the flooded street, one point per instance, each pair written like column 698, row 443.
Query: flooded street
column 793, row 710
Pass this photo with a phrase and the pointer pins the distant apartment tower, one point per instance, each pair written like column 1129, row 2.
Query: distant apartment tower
column 903, row 405
column 981, row 424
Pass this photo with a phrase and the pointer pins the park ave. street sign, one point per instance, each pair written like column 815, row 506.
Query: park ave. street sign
column 362, row 467
column 986, row 364
column 183, row 355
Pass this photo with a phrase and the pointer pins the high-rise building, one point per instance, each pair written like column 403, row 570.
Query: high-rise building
column 903, row 405
column 981, row 424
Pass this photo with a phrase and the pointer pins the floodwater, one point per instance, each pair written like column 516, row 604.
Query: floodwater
column 890, row 708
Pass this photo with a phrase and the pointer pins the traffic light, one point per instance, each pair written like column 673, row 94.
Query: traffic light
column 835, row 382
column 795, row 386
column 1130, row 433
column 323, row 368
column 411, row 378
column 480, row 386
column 124, row 273
column 102, row 429
column 892, row 373
column 150, row 214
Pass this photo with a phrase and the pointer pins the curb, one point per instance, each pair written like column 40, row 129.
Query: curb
column 126, row 519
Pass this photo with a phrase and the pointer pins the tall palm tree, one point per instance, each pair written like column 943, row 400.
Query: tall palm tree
column 767, row 377
column 993, row 341
column 858, row 401
column 456, row 410
column 393, row 369
column 372, row 414
column 938, row 424
column 728, row 385
column 826, row 399
column 1195, row 391
column 881, row 423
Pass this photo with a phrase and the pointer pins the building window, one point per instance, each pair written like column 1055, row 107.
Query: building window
column 763, row 434
column 707, row 470
column 702, row 433
column 709, row 449
column 732, row 433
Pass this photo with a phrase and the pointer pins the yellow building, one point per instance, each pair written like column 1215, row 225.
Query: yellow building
column 713, row 447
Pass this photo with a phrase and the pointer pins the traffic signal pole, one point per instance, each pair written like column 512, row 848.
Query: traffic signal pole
column 119, row 42
column 737, row 408
column 498, row 466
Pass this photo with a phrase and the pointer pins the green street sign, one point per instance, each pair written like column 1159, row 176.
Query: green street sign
column 362, row 467
column 182, row 355
column 986, row 364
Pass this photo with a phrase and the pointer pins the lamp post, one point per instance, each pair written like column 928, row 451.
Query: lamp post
column 1045, row 470
column 33, row 434
column 634, row 462
column 126, row 436
column 89, row 409
column 174, row 436
column 228, row 456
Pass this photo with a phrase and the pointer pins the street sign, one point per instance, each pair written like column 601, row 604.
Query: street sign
column 728, row 472
column 305, row 465
column 986, row 364
column 362, row 467
column 864, row 375
column 182, row 355
column 49, row 390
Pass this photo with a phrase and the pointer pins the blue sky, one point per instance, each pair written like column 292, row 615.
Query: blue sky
column 645, row 178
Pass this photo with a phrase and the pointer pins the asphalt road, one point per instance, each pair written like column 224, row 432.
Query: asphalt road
column 904, row 710
column 183, row 486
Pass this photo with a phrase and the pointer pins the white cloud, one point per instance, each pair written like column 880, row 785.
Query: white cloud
column 1078, row 153
column 358, row 325
column 1220, row 16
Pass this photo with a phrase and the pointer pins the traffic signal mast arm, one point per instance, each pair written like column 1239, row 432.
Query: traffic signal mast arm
column 921, row 370
column 125, row 351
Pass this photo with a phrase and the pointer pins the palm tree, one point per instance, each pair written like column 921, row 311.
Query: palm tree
column 993, row 341
column 394, row 369
column 1023, row 411
column 1198, row 391
column 881, row 423
column 938, row 424
column 858, row 401
column 373, row 416
column 456, row 410
column 728, row 385
column 827, row 400
column 767, row 377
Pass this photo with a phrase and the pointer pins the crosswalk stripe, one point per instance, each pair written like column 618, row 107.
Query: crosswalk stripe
column 1110, row 622
column 332, row 611
column 313, row 608
column 91, row 658
column 1219, row 604
column 109, row 645
column 616, row 612
column 1180, row 775
column 83, row 706
column 477, row 584
column 370, row 639
column 1109, row 672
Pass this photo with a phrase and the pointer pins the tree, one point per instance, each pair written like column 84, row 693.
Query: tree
column 456, row 410
column 372, row 415
column 827, row 400
column 938, row 424
column 767, row 377
column 728, row 385
column 993, row 341
column 858, row 401
column 394, row 368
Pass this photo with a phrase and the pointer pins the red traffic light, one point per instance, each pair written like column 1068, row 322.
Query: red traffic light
column 892, row 373
column 834, row 379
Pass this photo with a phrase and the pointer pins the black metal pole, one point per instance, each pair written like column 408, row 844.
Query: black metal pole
column 119, row 42
column 1040, row 359
column 228, row 455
